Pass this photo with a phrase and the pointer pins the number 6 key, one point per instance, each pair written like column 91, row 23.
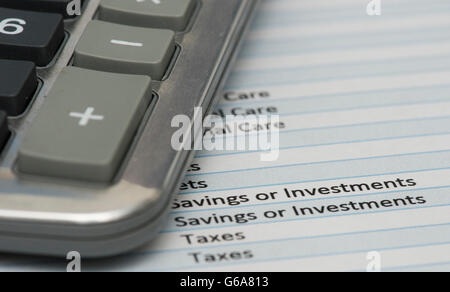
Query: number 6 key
column 30, row 36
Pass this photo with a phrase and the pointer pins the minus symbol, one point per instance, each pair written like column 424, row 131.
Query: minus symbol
column 124, row 43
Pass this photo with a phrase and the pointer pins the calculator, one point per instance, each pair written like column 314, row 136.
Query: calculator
column 88, row 91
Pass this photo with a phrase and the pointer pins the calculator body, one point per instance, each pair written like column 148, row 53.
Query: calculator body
column 44, row 215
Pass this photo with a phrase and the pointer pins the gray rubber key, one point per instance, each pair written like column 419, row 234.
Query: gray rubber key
column 85, row 125
column 125, row 49
column 171, row 14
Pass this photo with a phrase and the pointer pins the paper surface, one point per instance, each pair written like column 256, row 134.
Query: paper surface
column 363, row 177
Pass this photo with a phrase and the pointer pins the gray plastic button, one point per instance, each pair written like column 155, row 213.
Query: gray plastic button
column 125, row 49
column 85, row 126
column 171, row 14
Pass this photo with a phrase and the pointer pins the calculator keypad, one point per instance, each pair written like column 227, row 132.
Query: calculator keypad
column 86, row 123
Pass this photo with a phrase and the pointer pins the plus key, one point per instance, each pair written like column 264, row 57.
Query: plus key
column 85, row 125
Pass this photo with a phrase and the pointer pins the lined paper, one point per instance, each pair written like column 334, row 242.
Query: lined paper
column 365, row 101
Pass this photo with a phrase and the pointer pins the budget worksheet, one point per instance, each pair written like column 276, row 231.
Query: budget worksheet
column 362, row 177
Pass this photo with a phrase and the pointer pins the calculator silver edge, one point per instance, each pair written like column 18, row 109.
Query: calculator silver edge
column 45, row 216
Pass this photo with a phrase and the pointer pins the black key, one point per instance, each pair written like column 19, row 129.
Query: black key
column 18, row 83
column 4, row 132
column 31, row 36
column 68, row 8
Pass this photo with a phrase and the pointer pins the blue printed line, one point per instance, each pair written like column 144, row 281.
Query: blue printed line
column 329, row 128
column 352, row 41
column 317, row 180
column 184, row 211
column 382, row 74
column 339, row 126
column 318, row 163
column 403, row 268
column 320, row 96
column 291, row 239
column 300, row 219
column 327, row 144
column 349, row 126
column 300, row 68
column 354, row 108
column 286, row 258
column 291, row 18
column 221, row 137
column 301, row 74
